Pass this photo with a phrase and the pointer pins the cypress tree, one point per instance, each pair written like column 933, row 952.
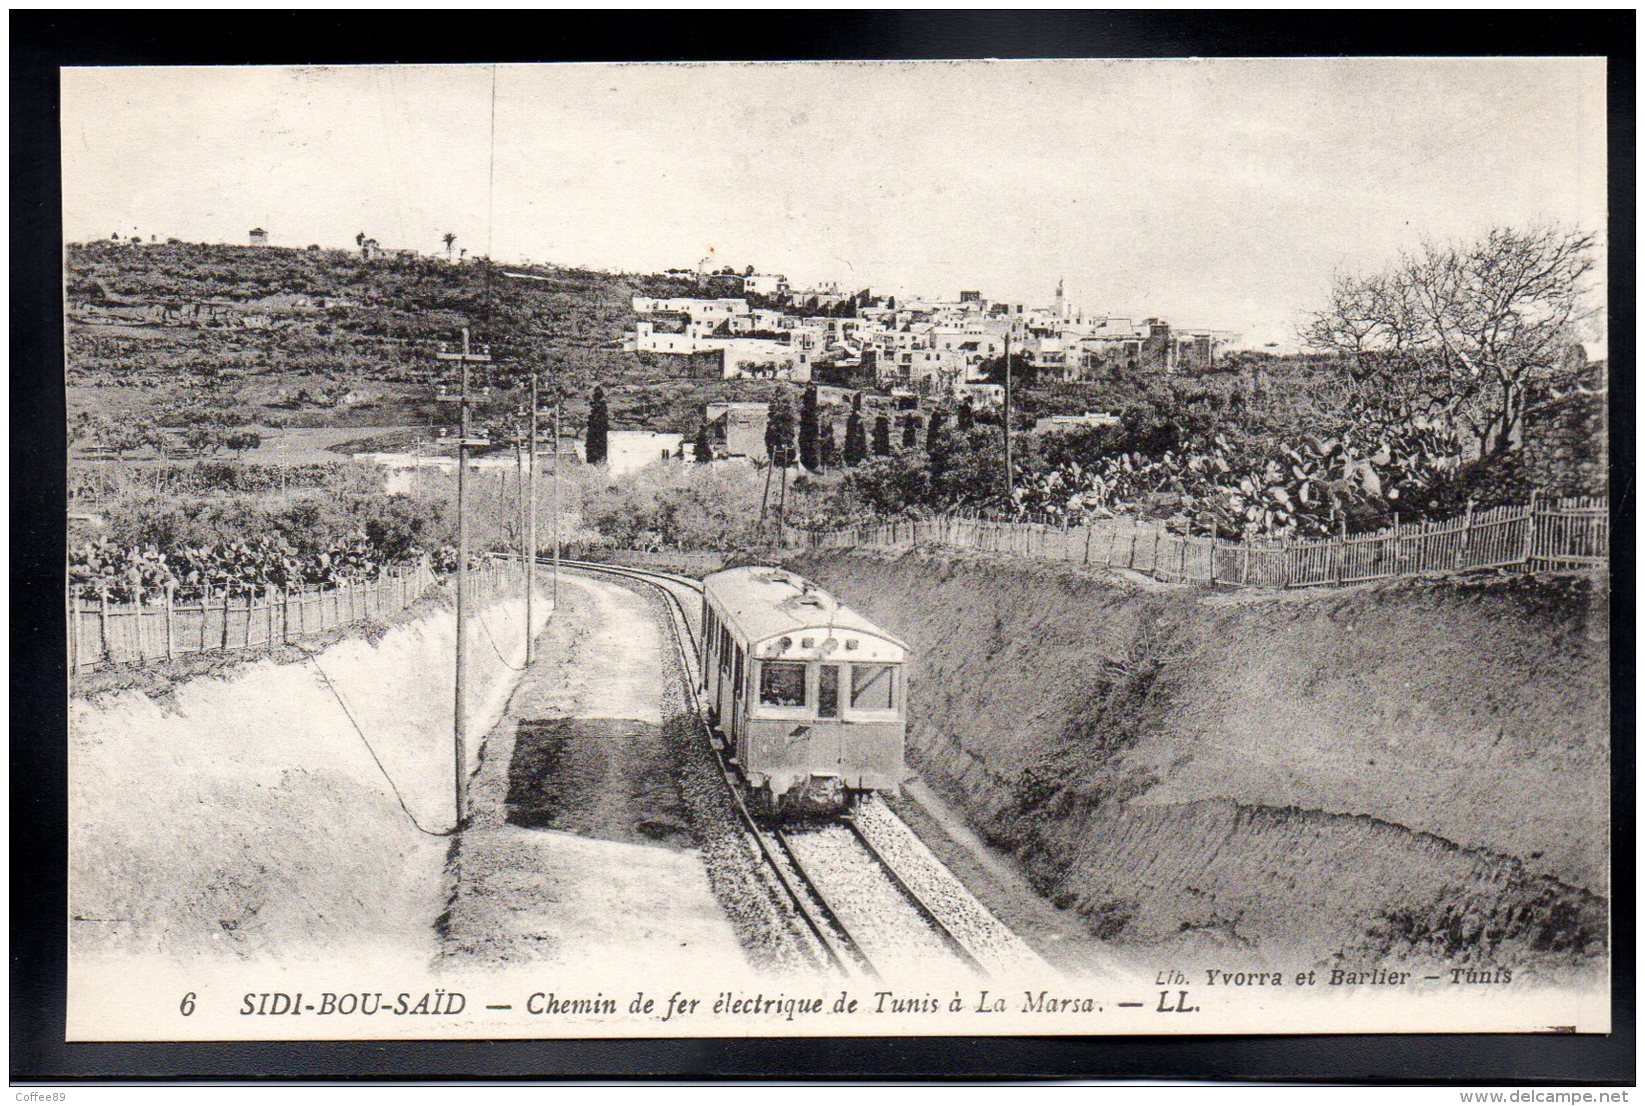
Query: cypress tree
column 934, row 428
column 701, row 451
column 910, row 431
column 779, row 430
column 830, row 454
column 966, row 416
column 856, row 435
column 882, row 436
column 597, row 441
column 809, row 456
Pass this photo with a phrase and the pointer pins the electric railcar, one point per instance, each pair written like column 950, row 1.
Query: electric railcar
column 809, row 695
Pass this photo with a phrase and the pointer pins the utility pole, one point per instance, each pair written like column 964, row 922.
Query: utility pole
column 557, row 505
column 782, row 494
column 459, row 725
column 531, row 528
column 519, row 498
column 1010, row 477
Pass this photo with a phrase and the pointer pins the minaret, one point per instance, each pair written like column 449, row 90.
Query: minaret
column 1061, row 306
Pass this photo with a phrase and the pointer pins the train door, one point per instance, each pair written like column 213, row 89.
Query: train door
column 724, row 704
column 828, row 737
column 739, row 702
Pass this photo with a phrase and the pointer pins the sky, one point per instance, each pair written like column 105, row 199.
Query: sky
column 1213, row 193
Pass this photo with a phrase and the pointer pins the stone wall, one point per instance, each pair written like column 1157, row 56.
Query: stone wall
column 1565, row 444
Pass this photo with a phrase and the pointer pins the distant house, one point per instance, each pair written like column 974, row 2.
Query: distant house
column 259, row 236
column 737, row 429
column 765, row 284
column 1058, row 423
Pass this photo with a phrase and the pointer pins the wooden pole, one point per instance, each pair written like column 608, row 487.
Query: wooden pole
column 1530, row 533
column 171, row 640
column 1010, row 476
column 1465, row 539
column 531, row 528
column 459, row 728
column 556, row 590
column 103, row 629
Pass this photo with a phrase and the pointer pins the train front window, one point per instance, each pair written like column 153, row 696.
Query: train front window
column 782, row 684
column 871, row 686
column 828, row 691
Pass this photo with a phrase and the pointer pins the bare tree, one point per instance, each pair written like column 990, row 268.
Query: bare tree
column 1460, row 332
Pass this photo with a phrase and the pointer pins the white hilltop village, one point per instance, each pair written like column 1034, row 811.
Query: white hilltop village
column 925, row 347
column 917, row 352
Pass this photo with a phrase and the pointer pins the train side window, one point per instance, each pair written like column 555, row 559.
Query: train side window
column 737, row 675
column 828, row 691
column 871, row 686
column 782, row 684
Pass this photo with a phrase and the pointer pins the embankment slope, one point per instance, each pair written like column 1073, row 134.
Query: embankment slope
column 1414, row 771
column 243, row 813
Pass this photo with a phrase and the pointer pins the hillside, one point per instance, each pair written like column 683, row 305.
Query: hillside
column 1409, row 772
column 324, row 338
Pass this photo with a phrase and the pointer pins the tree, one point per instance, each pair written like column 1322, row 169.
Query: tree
column 597, row 441
column 1023, row 372
column 935, row 428
column 450, row 240
column 360, row 239
column 808, row 427
column 241, row 441
column 779, row 429
column 701, row 451
column 856, row 434
column 882, row 436
column 830, row 452
column 910, row 431
column 1457, row 333
column 89, row 429
column 966, row 417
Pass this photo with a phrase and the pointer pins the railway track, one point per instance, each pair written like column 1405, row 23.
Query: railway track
column 869, row 896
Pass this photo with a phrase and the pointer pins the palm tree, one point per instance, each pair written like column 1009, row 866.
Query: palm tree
column 448, row 240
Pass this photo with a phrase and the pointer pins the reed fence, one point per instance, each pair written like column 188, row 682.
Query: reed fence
column 102, row 633
column 1543, row 535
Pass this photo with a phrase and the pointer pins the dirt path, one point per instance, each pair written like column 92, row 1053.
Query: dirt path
column 579, row 848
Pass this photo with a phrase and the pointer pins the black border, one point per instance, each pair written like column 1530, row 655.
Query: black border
column 43, row 41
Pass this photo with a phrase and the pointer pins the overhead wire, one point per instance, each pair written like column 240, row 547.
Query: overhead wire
column 375, row 759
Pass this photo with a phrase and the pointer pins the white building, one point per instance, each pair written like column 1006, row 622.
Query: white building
column 711, row 311
column 763, row 359
column 769, row 285
column 630, row 450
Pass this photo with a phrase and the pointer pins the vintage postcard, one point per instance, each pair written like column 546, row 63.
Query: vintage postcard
column 792, row 549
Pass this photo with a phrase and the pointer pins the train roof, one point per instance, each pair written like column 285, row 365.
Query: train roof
column 764, row 602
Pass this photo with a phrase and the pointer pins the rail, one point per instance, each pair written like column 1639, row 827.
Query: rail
column 809, row 901
column 804, row 887
column 1544, row 535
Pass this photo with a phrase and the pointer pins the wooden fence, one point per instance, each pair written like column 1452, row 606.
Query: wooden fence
column 103, row 633
column 1542, row 535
